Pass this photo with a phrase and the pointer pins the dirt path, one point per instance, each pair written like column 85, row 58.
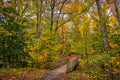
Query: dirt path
column 36, row 74
column 25, row 75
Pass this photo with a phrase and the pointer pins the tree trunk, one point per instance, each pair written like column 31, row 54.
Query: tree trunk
column 118, row 16
column 57, row 21
column 63, row 40
column 105, row 37
column 52, row 13
column 39, row 15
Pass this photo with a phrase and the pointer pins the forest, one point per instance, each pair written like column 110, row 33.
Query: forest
column 59, row 39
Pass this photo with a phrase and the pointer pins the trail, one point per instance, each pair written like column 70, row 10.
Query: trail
column 60, row 72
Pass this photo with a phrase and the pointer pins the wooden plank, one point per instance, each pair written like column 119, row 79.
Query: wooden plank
column 59, row 73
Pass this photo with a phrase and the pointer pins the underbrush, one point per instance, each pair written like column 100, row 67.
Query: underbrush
column 20, row 73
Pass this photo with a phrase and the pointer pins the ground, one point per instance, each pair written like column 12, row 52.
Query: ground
column 32, row 74
column 21, row 74
column 29, row 74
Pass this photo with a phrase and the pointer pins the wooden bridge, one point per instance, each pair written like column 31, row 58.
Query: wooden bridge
column 59, row 73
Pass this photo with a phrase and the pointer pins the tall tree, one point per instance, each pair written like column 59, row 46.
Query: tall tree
column 39, row 5
column 104, row 33
column 52, row 5
column 117, row 12
column 59, row 14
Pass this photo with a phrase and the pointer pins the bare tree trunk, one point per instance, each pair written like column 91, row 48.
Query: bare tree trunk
column 63, row 40
column 39, row 15
column 116, row 9
column 52, row 13
column 59, row 15
column 103, row 25
column 105, row 38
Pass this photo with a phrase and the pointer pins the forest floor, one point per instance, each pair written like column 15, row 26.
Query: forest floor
column 81, row 73
column 21, row 74
column 29, row 74
column 34, row 74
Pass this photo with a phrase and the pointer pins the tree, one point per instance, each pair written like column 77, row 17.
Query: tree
column 105, row 37
column 116, row 9
column 13, row 25
column 52, row 4
column 39, row 6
